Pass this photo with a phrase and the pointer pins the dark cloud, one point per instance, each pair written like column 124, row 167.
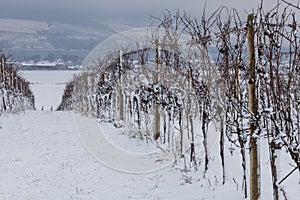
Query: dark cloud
column 129, row 11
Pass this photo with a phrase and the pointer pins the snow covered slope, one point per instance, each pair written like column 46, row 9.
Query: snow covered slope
column 26, row 38
column 47, row 86
column 42, row 157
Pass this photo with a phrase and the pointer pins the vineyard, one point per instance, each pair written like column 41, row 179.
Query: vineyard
column 171, row 91
column 15, row 92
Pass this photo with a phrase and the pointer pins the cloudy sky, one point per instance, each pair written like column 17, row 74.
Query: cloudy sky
column 129, row 11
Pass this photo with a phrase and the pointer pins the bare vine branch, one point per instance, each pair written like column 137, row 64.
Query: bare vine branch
column 290, row 4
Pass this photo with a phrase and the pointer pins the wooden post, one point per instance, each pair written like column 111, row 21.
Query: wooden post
column 156, row 133
column 3, row 80
column 120, row 95
column 254, row 161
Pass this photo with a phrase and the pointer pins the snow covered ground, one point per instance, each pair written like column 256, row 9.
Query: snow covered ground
column 48, row 86
column 93, row 138
column 42, row 156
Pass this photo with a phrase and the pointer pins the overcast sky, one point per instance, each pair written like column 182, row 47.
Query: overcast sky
column 130, row 11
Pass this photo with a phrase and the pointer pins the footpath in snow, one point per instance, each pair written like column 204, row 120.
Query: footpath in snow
column 95, row 141
column 42, row 157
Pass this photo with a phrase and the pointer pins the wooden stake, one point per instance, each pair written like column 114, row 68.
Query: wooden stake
column 254, row 162
column 156, row 133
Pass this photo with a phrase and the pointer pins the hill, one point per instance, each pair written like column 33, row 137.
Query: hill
column 33, row 40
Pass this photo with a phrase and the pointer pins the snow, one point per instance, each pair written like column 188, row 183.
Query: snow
column 48, row 86
column 123, row 140
column 21, row 26
column 93, row 138
column 32, row 26
column 43, row 155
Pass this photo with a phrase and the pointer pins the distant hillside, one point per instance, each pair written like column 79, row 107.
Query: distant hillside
column 26, row 39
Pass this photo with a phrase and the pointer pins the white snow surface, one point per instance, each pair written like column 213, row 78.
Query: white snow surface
column 42, row 157
column 47, row 86
column 92, row 136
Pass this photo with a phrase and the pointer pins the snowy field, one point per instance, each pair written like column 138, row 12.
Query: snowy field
column 47, row 86
column 43, row 157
